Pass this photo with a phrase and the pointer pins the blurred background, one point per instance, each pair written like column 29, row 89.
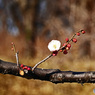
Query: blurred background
column 31, row 25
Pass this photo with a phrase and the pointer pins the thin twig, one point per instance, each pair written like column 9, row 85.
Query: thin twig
column 17, row 59
column 41, row 61
column 72, row 38
column 62, row 48
column 16, row 54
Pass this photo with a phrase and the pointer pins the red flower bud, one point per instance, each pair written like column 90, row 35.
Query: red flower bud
column 74, row 40
column 28, row 69
column 21, row 65
column 61, row 50
column 55, row 53
column 67, row 39
column 69, row 45
column 67, row 48
column 83, row 32
column 78, row 34
column 25, row 67
column 64, row 44
column 12, row 43
column 65, row 52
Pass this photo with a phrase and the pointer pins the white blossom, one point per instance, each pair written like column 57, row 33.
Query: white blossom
column 54, row 45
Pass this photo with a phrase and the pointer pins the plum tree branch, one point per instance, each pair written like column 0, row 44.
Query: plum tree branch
column 54, row 46
column 41, row 61
column 52, row 75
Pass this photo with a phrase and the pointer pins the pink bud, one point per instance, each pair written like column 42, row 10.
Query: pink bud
column 83, row 32
column 28, row 69
column 25, row 67
column 21, row 65
column 67, row 39
column 12, row 49
column 65, row 52
column 61, row 50
column 55, row 53
column 78, row 34
column 69, row 45
column 74, row 40
column 67, row 48
column 12, row 43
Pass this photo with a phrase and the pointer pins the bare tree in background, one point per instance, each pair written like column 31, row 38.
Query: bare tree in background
column 88, row 26
column 48, row 19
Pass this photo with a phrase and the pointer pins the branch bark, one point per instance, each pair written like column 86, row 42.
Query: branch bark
column 52, row 75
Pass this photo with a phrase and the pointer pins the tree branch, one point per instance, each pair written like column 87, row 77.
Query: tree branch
column 52, row 75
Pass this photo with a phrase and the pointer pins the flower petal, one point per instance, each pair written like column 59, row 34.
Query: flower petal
column 54, row 45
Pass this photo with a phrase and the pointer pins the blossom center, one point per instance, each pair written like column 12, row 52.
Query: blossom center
column 54, row 46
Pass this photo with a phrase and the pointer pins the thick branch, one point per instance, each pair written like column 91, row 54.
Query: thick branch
column 52, row 75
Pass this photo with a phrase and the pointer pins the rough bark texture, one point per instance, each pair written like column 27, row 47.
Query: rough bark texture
column 52, row 75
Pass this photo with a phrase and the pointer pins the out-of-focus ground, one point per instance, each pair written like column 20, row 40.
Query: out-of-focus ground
column 31, row 25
